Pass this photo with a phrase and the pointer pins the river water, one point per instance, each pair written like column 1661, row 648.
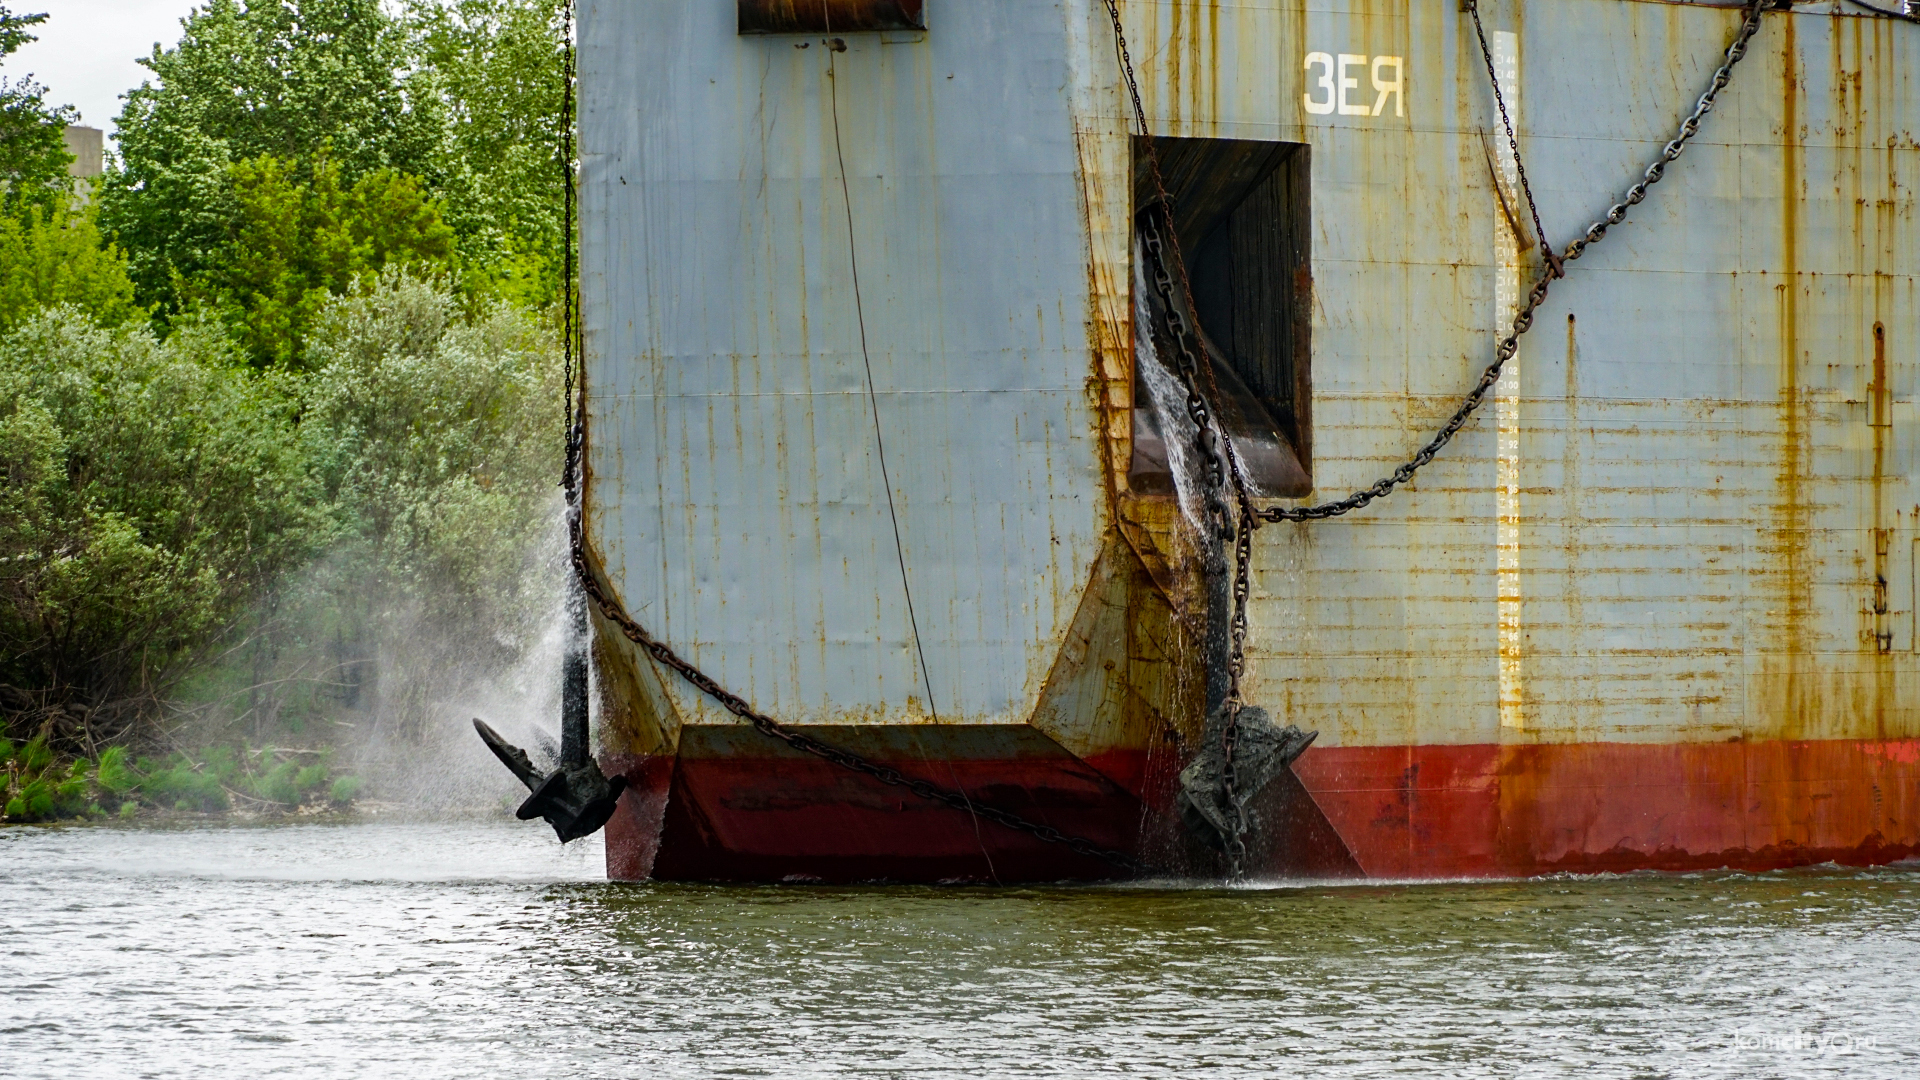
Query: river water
column 483, row 949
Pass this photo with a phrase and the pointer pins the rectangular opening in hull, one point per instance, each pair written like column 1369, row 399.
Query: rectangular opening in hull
column 1240, row 210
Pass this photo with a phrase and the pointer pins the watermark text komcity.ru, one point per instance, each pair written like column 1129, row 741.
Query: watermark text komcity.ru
column 1803, row 1042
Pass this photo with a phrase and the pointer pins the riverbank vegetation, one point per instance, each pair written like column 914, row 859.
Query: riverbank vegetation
column 279, row 401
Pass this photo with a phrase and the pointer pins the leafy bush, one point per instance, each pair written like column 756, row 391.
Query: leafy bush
column 37, row 787
column 179, row 785
column 433, row 434
column 278, row 785
column 152, row 488
column 113, row 775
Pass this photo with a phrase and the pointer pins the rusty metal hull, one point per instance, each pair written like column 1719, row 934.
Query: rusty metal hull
column 1654, row 608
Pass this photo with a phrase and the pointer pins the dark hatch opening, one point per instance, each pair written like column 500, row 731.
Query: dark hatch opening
column 1241, row 211
column 829, row 16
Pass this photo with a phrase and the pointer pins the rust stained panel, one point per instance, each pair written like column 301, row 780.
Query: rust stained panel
column 830, row 16
column 730, row 187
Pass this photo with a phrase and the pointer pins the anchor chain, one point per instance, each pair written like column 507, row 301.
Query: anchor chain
column 1236, row 522
column 1223, row 464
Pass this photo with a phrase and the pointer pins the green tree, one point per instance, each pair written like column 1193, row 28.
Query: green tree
column 463, row 95
column 287, row 79
column 33, row 155
column 293, row 244
column 151, row 488
column 55, row 256
column 499, row 66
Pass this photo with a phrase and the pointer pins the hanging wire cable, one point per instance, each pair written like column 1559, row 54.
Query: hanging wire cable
column 866, row 358
column 573, row 419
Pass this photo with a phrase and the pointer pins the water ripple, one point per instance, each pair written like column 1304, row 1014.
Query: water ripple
column 482, row 949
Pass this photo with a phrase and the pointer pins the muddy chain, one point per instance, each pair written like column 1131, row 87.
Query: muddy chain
column 1237, row 522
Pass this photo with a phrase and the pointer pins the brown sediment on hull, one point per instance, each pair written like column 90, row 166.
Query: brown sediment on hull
column 1872, row 850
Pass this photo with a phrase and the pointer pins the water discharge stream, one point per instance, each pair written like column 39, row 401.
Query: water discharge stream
column 481, row 949
column 1166, row 398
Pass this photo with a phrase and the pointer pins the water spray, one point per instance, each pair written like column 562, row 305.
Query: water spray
column 576, row 798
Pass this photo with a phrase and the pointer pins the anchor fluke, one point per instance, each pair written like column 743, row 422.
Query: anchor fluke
column 576, row 799
column 1262, row 750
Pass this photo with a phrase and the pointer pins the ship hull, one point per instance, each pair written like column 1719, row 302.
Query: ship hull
column 1502, row 811
column 874, row 438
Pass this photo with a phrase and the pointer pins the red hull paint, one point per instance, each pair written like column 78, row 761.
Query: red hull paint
column 736, row 807
column 733, row 809
column 1491, row 811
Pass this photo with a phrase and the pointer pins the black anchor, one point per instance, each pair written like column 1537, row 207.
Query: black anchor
column 576, row 798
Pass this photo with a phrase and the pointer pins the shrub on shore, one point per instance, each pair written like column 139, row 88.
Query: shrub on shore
column 152, row 489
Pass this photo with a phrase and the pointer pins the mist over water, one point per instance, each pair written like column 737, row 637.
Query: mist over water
column 394, row 697
column 484, row 949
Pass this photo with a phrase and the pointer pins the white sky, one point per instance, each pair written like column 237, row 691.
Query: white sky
column 87, row 52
